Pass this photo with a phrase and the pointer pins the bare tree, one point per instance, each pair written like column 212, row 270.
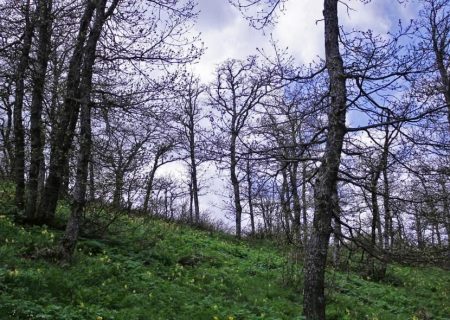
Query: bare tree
column 190, row 117
column 69, row 240
column 239, row 88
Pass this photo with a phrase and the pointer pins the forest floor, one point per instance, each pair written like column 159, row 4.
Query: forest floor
column 151, row 269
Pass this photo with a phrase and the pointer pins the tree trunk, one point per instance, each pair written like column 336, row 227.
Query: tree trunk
column 387, row 212
column 304, row 206
column 63, row 130
column 375, row 209
column 326, row 182
column 19, row 135
column 41, row 178
column 118, row 186
column 235, row 184
column 91, row 180
column 44, row 8
column 151, row 178
column 419, row 230
column 440, row 44
column 70, row 237
column 194, row 181
column 337, row 231
column 296, row 208
column 446, row 207
column 191, row 204
column 250, row 198
column 284, row 198
column 386, row 192
column 5, row 131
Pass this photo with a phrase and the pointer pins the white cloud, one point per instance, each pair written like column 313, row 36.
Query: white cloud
column 300, row 30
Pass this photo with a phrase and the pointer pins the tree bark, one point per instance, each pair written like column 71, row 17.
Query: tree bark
column 194, row 181
column 304, row 205
column 91, row 180
column 5, row 131
column 250, row 198
column 337, row 231
column 296, row 208
column 44, row 8
column 375, row 209
column 19, row 135
column 326, row 182
column 285, row 202
column 235, row 185
column 70, row 237
column 63, row 130
column 446, row 207
column 439, row 39
column 388, row 230
column 151, row 178
column 118, row 186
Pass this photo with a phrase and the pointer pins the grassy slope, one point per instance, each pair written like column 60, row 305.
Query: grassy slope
column 159, row 270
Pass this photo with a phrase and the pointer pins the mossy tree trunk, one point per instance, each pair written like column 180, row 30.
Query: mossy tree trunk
column 326, row 181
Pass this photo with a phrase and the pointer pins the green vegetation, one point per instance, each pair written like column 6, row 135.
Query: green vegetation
column 159, row 270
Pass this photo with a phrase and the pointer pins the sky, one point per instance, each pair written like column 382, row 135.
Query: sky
column 226, row 34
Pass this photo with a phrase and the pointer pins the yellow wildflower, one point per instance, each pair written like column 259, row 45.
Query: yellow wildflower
column 14, row 273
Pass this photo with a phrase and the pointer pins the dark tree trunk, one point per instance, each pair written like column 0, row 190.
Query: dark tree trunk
column 5, row 131
column 387, row 235
column 191, row 204
column 284, row 198
column 70, row 237
column 69, row 240
column 118, row 186
column 63, row 130
column 44, row 8
column 194, row 182
column 235, row 185
column 250, row 198
column 375, row 209
column 438, row 234
column 374, row 270
column 19, row 135
column 337, row 231
column 304, row 205
column 419, row 229
column 41, row 178
column 296, row 208
column 91, row 180
column 446, row 207
column 386, row 192
column 439, row 39
column 326, row 181
column 151, row 178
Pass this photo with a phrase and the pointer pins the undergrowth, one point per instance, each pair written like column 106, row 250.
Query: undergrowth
column 150, row 269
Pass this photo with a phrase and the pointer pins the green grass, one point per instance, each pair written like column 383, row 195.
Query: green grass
column 158, row 270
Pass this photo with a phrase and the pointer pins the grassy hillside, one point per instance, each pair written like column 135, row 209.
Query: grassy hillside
column 159, row 270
